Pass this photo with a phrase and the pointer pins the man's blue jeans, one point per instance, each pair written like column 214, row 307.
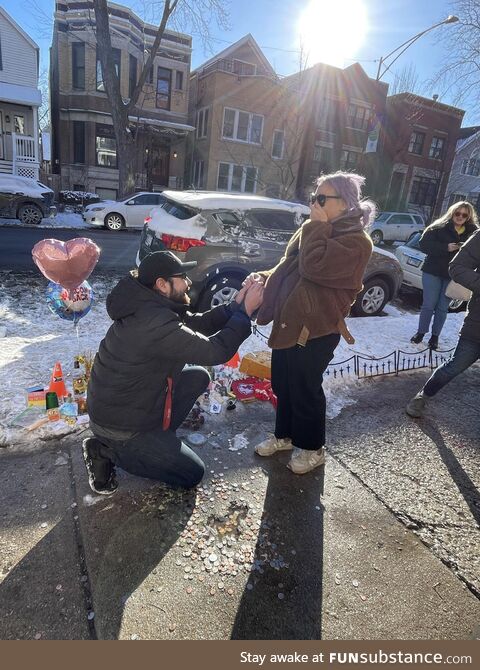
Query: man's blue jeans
column 465, row 355
column 435, row 303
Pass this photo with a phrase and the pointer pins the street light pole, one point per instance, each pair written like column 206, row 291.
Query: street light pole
column 407, row 44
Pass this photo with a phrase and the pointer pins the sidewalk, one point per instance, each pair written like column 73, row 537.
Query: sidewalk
column 256, row 552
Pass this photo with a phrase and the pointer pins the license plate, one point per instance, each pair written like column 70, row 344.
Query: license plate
column 416, row 262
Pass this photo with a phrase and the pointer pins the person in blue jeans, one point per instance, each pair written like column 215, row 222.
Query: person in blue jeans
column 464, row 269
column 441, row 241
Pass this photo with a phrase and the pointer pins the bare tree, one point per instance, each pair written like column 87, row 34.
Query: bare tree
column 197, row 16
column 406, row 81
column 460, row 74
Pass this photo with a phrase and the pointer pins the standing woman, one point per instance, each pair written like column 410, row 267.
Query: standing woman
column 307, row 296
column 441, row 241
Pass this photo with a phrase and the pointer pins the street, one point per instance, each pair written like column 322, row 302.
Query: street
column 119, row 249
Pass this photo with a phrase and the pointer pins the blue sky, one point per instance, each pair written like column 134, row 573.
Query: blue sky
column 332, row 24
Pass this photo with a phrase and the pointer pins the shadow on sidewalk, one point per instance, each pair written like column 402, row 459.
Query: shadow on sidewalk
column 139, row 533
column 284, row 602
column 460, row 478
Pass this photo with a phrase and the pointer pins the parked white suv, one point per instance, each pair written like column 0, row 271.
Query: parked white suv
column 390, row 227
column 128, row 213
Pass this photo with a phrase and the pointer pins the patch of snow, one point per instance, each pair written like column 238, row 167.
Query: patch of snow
column 61, row 220
column 233, row 201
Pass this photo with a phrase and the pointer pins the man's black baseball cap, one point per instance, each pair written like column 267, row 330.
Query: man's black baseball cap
column 162, row 264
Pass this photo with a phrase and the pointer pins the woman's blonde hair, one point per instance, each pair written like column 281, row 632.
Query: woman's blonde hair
column 472, row 214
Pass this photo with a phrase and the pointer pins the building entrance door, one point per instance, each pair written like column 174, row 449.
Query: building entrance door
column 158, row 165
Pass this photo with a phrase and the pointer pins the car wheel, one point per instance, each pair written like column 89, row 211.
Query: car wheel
column 457, row 306
column 377, row 237
column 220, row 291
column 114, row 221
column 30, row 214
column 373, row 298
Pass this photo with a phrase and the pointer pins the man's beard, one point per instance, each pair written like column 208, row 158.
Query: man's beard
column 180, row 296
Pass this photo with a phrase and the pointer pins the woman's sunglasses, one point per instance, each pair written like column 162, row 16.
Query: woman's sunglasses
column 321, row 198
column 462, row 214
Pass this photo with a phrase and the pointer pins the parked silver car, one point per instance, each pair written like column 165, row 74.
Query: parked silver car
column 390, row 227
column 127, row 213
column 231, row 235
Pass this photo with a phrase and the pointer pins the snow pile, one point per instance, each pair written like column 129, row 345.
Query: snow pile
column 35, row 339
column 61, row 220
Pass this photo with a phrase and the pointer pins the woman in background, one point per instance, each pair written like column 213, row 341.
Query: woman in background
column 441, row 241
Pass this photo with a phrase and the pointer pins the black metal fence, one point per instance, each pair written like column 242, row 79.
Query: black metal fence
column 365, row 367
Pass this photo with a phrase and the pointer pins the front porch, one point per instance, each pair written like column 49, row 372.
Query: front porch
column 20, row 156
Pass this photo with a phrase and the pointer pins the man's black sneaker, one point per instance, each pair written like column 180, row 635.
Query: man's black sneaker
column 417, row 338
column 100, row 470
column 433, row 342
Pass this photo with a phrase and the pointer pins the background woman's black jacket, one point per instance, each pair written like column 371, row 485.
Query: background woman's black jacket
column 465, row 269
column 434, row 242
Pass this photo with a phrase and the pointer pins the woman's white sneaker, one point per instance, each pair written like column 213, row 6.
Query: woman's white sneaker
column 272, row 444
column 304, row 460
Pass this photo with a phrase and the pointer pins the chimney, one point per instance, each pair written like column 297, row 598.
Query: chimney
column 435, row 97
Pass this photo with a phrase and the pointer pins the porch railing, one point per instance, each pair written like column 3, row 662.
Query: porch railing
column 24, row 149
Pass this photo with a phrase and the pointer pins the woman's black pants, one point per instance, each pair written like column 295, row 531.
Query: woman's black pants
column 297, row 376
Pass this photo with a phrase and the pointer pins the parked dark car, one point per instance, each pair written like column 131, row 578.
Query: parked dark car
column 231, row 235
column 25, row 199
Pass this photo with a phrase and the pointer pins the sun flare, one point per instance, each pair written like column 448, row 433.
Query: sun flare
column 332, row 31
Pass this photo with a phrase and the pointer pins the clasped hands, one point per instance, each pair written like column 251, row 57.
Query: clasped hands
column 251, row 293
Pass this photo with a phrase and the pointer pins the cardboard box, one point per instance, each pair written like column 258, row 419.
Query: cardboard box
column 257, row 364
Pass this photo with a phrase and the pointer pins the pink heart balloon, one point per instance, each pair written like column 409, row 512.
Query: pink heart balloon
column 66, row 263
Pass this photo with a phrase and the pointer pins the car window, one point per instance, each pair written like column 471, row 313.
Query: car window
column 413, row 242
column 383, row 216
column 272, row 219
column 400, row 219
column 227, row 219
column 418, row 219
column 145, row 199
column 177, row 210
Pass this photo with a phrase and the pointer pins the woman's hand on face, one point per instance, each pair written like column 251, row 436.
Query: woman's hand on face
column 453, row 246
column 317, row 213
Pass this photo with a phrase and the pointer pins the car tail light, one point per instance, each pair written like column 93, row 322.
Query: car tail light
column 180, row 243
column 147, row 219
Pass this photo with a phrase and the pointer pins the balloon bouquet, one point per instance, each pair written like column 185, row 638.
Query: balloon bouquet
column 67, row 265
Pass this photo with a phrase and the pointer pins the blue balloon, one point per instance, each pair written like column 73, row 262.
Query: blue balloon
column 70, row 305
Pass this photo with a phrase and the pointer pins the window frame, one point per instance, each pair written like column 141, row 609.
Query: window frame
column 364, row 118
column 237, row 113
column 108, row 136
column 347, row 165
column 80, row 138
column 471, row 166
column 202, row 123
column 159, row 78
column 117, row 59
column 282, row 152
column 132, row 76
column 78, row 71
column 434, row 151
column 417, row 183
column 231, row 167
column 198, row 173
column 179, row 75
column 414, row 142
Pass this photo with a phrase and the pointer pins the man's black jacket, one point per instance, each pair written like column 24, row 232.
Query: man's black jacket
column 465, row 269
column 434, row 242
column 152, row 338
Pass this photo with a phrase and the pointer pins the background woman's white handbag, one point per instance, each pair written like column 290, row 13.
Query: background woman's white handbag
column 457, row 291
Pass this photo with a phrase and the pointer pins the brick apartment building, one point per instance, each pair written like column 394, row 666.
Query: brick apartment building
column 246, row 125
column 341, row 107
column 83, row 143
column 420, row 140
